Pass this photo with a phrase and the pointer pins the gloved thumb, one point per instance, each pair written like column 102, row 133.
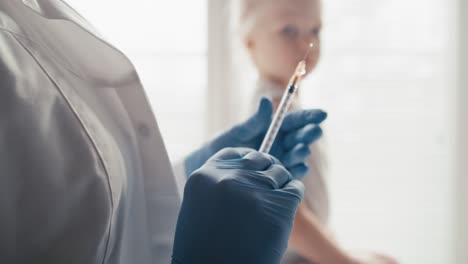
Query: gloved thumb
column 257, row 124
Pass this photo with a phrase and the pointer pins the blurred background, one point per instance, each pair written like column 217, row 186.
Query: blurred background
column 391, row 76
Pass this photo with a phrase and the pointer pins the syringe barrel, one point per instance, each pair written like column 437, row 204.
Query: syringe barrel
column 280, row 114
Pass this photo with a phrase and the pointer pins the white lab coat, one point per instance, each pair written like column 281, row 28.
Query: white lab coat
column 84, row 174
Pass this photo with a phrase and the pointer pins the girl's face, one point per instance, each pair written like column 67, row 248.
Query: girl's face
column 282, row 35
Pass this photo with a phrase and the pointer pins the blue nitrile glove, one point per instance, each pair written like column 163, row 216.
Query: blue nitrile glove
column 299, row 130
column 238, row 208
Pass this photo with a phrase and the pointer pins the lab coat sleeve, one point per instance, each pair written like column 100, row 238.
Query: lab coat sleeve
column 54, row 199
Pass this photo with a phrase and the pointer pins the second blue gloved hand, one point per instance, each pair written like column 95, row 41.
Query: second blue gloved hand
column 238, row 208
column 299, row 130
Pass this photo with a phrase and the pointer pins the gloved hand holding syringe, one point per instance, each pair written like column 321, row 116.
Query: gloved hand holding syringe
column 297, row 130
column 285, row 104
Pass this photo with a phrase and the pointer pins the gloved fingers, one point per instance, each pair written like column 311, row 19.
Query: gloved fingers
column 297, row 155
column 299, row 171
column 306, row 135
column 231, row 153
column 257, row 161
column 245, row 158
column 279, row 176
column 296, row 188
column 255, row 125
column 300, row 118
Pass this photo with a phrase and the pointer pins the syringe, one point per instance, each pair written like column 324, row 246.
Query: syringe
column 284, row 105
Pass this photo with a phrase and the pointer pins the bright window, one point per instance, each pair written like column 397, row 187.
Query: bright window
column 385, row 79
